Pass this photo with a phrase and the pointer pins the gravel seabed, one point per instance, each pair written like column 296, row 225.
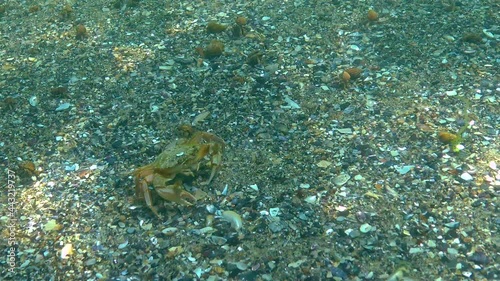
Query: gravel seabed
column 334, row 178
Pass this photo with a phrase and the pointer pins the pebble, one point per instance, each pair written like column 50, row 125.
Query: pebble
column 123, row 245
column 73, row 167
column 241, row 266
column 217, row 240
column 323, row 164
column 452, row 251
column 341, row 179
column 90, row 262
column 311, row 199
column 345, row 131
column 147, row 226
column 493, row 165
column 25, row 264
column 354, row 233
column 479, row 258
column 63, row 106
column 303, row 217
column 405, row 169
column 205, row 230
column 296, row 264
column 452, row 225
column 276, row 226
column 305, row 185
column 365, row 228
column 169, row 230
column 416, row 250
column 355, row 47
column 466, row 177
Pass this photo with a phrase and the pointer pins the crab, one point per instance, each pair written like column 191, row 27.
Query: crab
column 181, row 160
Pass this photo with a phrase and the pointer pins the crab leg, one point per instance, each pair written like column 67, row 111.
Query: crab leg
column 175, row 193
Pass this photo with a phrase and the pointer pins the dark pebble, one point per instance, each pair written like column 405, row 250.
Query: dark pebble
column 337, row 272
column 110, row 160
column 117, row 144
column 479, row 202
column 479, row 258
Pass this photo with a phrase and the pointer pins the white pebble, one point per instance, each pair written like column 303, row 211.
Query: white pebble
column 493, row 165
column 466, row 177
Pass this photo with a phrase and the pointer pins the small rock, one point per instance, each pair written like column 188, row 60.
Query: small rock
column 345, row 130
column 416, row 250
column 479, row 258
column 452, row 225
column 466, row 177
column 451, row 93
column 296, row 264
column 341, row 179
column 276, row 226
column 365, row 228
column 169, row 230
column 452, row 251
column 323, row 164
column 123, row 245
column 63, row 106
column 147, row 226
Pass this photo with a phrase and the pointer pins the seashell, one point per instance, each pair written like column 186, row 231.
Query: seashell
column 345, row 76
column 233, row 218
column 33, row 101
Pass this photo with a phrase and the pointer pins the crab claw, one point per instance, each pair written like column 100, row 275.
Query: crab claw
column 175, row 193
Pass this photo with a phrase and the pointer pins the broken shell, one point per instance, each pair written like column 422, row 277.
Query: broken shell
column 66, row 251
column 233, row 218
column 33, row 101
column 274, row 212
